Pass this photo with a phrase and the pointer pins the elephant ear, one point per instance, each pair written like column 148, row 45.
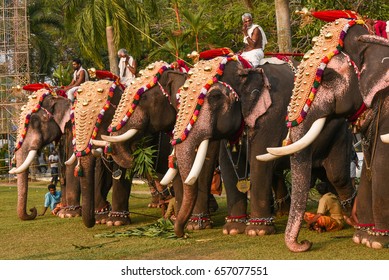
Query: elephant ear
column 374, row 73
column 259, row 90
column 61, row 112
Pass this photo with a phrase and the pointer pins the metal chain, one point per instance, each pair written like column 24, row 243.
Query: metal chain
column 235, row 166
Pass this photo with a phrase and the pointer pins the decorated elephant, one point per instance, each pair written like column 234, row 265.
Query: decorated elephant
column 345, row 71
column 151, row 111
column 143, row 110
column 42, row 120
column 263, row 94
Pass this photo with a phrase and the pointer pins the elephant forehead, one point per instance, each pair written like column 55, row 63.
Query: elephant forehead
column 310, row 71
column 192, row 94
column 91, row 100
column 132, row 93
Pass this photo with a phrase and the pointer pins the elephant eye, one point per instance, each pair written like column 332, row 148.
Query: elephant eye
column 330, row 76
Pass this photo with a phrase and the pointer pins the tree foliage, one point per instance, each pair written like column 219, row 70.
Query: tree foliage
column 159, row 29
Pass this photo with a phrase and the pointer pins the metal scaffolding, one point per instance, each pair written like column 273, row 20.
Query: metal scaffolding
column 14, row 68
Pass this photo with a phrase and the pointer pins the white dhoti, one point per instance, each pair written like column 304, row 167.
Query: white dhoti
column 70, row 93
column 254, row 56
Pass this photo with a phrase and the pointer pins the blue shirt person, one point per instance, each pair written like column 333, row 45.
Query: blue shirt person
column 52, row 200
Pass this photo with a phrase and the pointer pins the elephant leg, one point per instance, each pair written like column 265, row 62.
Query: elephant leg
column 73, row 194
column 261, row 220
column 235, row 222
column 379, row 234
column 121, row 189
column 201, row 217
column 337, row 168
column 261, row 196
column 103, row 183
column 364, row 208
column 281, row 195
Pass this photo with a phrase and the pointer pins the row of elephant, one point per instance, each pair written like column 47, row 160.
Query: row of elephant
column 218, row 99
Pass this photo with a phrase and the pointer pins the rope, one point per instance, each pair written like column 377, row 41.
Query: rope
column 151, row 39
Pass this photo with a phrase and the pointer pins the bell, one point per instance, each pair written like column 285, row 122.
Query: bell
column 234, row 150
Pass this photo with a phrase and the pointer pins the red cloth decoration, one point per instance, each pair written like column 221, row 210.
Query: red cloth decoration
column 61, row 92
column 331, row 15
column 104, row 74
column 380, row 28
column 182, row 64
column 244, row 62
column 35, row 87
column 209, row 54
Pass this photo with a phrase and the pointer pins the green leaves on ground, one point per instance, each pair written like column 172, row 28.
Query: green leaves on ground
column 162, row 228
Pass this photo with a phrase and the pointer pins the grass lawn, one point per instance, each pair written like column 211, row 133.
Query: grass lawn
column 52, row 238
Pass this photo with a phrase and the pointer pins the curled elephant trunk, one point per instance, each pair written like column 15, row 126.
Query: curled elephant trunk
column 198, row 163
column 302, row 143
column 22, row 182
column 120, row 138
column 301, row 179
column 26, row 163
column 385, row 138
column 185, row 211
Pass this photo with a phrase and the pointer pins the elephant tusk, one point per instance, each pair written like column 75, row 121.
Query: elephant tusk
column 198, row 163
column 97, row 152
column 385, row 138
column 120, row 138
column 71, row 160
column 169, row 176
column 23, row 167
column 99, row 143
column 301, row 144
column 267, row 157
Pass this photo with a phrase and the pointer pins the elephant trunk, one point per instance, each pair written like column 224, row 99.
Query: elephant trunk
column 22, row 182
column 185, row 211
column 122, row 155
column 301, row 165
column 87, row 182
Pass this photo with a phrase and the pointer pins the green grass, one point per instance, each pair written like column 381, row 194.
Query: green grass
column 52, row 238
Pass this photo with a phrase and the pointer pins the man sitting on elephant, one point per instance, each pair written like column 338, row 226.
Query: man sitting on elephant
column 80, row 75
column 254, row 40
column 330, row 204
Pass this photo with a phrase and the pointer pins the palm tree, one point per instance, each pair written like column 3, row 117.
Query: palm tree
column 196, row 24
column 172, row 49
column 101, row 26
column 44, row 23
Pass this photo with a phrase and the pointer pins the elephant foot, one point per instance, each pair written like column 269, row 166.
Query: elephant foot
column 235, row 225
column 260, row 226
column 70, row 212
column 199, row 221
column 361, row 234
column 101, row 215
column 118, row 218
column 378, row 239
